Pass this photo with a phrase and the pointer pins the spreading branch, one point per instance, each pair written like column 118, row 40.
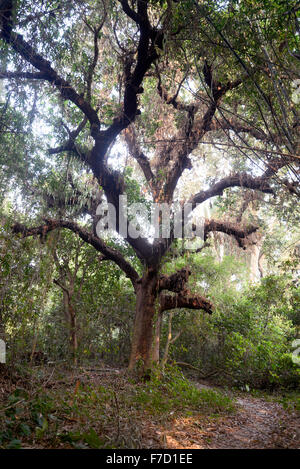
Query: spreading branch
column 27, row 75
column 109, row 252
column 236, row 180
column 27, row 52
column 235, row 230
column 239, row 127
column 139, row 156
column 150, row 40
column 189, row 136
column 173, row 99
column 94, row 62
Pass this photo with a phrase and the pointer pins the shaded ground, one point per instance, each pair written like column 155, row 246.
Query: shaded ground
column 102, row 408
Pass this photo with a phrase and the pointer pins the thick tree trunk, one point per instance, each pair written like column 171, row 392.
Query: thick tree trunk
column 141, row 345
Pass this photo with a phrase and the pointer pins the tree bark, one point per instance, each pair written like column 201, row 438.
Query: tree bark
column 141, row 346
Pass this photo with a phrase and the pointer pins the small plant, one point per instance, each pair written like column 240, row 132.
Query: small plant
column 88, row 439
column 291, row 402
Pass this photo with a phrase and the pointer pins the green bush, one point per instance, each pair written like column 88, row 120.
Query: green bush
column 248, row 339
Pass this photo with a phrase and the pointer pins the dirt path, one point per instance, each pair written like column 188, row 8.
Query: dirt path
column 257, row 424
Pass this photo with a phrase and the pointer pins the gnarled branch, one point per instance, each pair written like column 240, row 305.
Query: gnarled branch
column 175, row 282
column 168, row 302
column 235, row 230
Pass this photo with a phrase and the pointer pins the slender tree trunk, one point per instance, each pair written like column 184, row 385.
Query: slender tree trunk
column 156, row 342
column 170, row 340
column 260, row 264
column 71, row 321
column 254, row 265
column 34, row 343
column 141, row 346
column 2, row 326
column 2, row 344
column 73, row 333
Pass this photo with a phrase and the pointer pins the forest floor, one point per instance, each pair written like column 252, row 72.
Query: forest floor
column 103, row 408
column 258, row 423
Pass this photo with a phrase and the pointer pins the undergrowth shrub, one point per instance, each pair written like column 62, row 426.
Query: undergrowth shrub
column 172, row 392
column 247, row 341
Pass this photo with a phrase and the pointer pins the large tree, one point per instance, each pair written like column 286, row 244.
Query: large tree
column 161, row 77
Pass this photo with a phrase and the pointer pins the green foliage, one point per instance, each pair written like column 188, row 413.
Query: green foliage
column 248, row 339
column 84, row 440
column 290, row 401
column 173, row 392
